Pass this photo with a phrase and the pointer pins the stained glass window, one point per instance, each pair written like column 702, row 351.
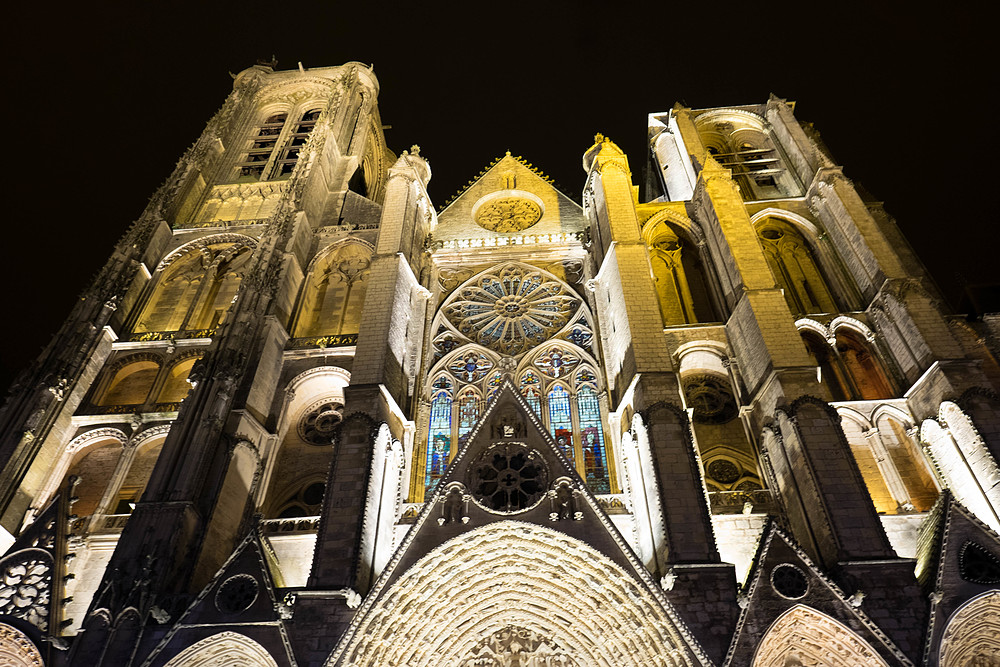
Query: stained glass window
column 561, row 421
column 493, row 386
column 468, row 412
column 595, row 463
column 439, row 438
column 471, row 367
column 557, row 363
column 531, row 392
column 512, row 309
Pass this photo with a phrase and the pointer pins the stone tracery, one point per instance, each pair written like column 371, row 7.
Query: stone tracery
column 511, row 309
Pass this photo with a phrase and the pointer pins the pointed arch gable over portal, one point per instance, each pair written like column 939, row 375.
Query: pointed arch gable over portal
column 224, row 649
column 804, row 636
column 516, row 577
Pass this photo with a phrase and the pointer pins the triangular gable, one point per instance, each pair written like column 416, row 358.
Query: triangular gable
column 509, row 438
column 576, row 510
column 240, row 597
column 784, row 577
column 960, row 559
column 509, row 179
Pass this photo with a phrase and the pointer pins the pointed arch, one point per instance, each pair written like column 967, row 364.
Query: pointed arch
column 333, row 295
column 515, row 574
column 193, row 286
column 313, row 407
column 227, row 649
column 792, row 260
column 680, row 274
column 805, row 636
column 17, row 650
column 972, row 635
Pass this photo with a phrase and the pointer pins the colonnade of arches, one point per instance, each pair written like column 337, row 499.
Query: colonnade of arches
column 687, row 283
column 145, row 378
column 194, row 286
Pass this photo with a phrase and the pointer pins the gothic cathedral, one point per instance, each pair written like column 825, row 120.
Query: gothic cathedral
column 304, row 417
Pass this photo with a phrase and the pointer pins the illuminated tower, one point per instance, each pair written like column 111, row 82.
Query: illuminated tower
column 302, row 417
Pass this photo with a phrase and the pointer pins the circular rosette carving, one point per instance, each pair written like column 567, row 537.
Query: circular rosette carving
column 318, row 425
column 508, row 478
column 236, row 594
column 25, row 588
column 789, row 581
column 508, row 211
column 511, row 310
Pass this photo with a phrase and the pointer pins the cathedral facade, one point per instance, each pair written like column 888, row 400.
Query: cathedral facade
column 712, row 415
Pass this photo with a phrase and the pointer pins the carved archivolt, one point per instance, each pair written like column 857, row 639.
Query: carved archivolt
column 972, row 637
column 16, row 650
column 806, row 637
column 226, row 649
column 473, row 592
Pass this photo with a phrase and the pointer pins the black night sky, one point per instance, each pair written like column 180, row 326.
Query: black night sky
column 102, row 98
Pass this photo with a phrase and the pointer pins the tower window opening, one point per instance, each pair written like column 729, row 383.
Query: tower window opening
column 276, row 147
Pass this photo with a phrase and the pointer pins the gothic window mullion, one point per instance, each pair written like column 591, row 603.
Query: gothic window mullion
column 574, row 408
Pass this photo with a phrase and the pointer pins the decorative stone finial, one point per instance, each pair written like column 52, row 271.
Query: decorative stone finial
column 599, row 138
column 415, row 150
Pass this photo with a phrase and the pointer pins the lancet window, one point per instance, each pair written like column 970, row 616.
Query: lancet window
column 530, row 390
column 848, row 367
column 680, row 283
column 561, row 420
column 559, row 385
column 794, row 267
column 439, row 436
column 334, row 294
column 275, row 146
column 195, row 287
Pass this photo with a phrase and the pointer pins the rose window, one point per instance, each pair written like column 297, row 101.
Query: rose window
column 508, row 478
column 789, row 581
column 711, row 399
column 320, row 423
column 236, row 594
column 507, row 215
column 25, row 591
column 512, row 310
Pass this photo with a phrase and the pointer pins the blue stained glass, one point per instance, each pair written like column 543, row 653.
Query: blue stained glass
column 534, row 399
column 439, row 437
column 468, row 413
column 561, row 421
column 595, row 464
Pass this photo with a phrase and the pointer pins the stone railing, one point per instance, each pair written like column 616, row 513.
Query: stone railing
column 322, row 342
column 184, row 334
column 299, row 524
column 759, row 501
column 99, row 523
column 142, row 408
column 518, row 240
column 223, row 224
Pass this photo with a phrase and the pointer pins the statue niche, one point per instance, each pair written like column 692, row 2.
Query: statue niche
column 508, row 425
